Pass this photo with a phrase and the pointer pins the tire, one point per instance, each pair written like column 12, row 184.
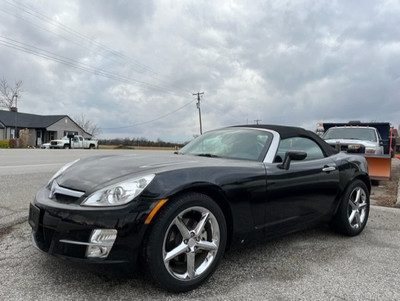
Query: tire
column 66, row 146
column 353, row 212
column 186, row 242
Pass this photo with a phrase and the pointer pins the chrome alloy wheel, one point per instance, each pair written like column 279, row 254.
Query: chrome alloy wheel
column 357, row 209
column 191, row 243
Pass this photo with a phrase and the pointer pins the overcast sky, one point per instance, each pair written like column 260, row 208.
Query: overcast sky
column 132, row 66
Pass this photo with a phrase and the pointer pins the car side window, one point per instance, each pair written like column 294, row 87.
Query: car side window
column 307, row 145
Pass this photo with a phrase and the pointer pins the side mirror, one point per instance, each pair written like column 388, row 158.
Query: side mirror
column 292, row 155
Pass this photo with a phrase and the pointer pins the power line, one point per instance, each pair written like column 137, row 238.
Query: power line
column 48, row 55
column 114, row 53
column 149, row 121
column 35, row 13
column 75, row 64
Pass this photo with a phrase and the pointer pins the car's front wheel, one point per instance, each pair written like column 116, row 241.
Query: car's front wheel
column 186, row 242
column 353, row 212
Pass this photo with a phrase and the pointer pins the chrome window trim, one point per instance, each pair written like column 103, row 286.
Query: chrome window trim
column 273, row 148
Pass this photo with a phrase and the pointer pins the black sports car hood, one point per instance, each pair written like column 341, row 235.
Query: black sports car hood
column 90, row 174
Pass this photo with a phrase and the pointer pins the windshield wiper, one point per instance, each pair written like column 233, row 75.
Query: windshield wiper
column 207, row 155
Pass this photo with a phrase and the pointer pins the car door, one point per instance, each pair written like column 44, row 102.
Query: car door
column 303, row 193
column 77, row 142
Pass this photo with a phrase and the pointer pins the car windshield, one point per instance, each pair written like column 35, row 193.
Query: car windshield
column 233, row 143
column 351, row 133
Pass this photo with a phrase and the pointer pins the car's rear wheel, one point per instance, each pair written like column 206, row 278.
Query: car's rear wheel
column 353, row 212
column 186, row 242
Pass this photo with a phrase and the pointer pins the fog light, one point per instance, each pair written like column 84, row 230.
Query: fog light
column 100, row 243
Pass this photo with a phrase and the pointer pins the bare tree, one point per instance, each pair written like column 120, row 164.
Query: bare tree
column 9, row 95
column 87, row 125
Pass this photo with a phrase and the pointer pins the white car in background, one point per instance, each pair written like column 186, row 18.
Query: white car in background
column 45, row 146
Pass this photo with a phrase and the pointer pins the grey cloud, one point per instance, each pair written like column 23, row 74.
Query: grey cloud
column 286, row 62
column 129, row 13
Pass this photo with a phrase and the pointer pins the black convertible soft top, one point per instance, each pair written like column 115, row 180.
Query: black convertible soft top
column 292, row 131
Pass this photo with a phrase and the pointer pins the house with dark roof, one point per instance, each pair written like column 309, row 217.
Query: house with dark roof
column 42, row 128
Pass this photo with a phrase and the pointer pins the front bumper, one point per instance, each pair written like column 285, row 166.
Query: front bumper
column 65, row 230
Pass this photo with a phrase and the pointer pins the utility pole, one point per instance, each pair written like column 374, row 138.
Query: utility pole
column 257, row 121
column 198, row 106
column 15, row 112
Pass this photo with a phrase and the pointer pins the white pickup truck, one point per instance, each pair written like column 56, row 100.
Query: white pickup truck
column 373, row 140
column 356, row 139
column 77, row 142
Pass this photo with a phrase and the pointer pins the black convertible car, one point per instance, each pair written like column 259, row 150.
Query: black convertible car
column 176, row 214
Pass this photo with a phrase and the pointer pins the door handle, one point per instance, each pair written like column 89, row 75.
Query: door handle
column 328, row 168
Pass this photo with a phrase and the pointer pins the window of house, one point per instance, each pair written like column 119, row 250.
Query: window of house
column 51, row 135
column 13, row 133
column 66, row 133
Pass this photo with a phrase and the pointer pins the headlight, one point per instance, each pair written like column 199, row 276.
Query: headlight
column 62, row 169
column 354, row 147
column 118, row 194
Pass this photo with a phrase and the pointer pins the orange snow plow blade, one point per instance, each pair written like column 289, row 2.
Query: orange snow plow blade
column 379, row 167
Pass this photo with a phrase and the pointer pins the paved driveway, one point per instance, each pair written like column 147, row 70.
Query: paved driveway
column 311, row 265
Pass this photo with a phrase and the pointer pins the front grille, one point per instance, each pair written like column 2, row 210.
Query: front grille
column 53, row 143
column 345, row 148
column 64, row 195
column 43, row 238
column 48, row 239
column 65, row 199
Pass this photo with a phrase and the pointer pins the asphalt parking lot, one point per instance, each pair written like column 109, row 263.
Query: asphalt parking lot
column 316, row 264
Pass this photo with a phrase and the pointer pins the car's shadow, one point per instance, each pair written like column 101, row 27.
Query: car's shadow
column 284, row 259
